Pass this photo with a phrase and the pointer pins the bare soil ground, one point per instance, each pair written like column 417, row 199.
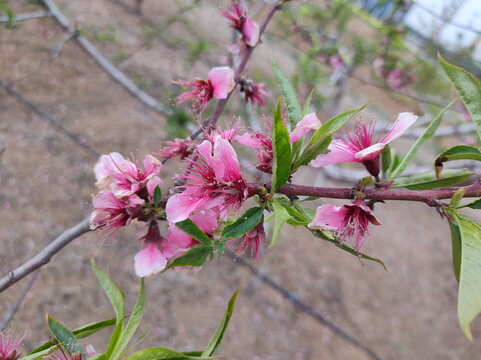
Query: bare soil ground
column 408, row 312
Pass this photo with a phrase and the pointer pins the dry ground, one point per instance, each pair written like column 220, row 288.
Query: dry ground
column 408, row 312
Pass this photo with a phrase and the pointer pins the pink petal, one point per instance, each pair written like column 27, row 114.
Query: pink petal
column 225, row 162
column 205, row 149
column 179, row 238
column 149, row 261
column 180, row 206
column 328, row 217
column 106, row 165
column 370, row 152
column 206, row 221
column 90, row 350
column 403, row 122
column 334, row 157
column 222, row 80
column 308, row 122
column 152, row 184
column 369, row 213
column 248, row 139
column 250, row 30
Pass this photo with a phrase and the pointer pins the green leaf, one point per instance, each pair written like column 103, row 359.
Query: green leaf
column 457, row 197
column 458, row 152
column 456, row 247
column 195, row 256
column 386, row 160
column 216, row 340
column 39, row 354
column 427, row 180
column 296, row 218
column 243, row 224
column 65, row 337
column 159, row 353
column 328, row 237
column 321, row 139
column 79, row 333
column 307, row 104
column 117, row 298
column 190, row 228
column 281, row 148
column 97, row 357
column 469, row 297
column 294, row 110
column 427, row 134
column 157, row 195
column 132, row 324
column 468, row 87
column 476, row 204
column 281, row 216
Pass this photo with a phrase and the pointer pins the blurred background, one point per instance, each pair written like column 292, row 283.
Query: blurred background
column 59, row 109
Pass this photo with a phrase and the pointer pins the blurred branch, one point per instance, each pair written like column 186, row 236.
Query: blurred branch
column 104, row 63
column 307, row 309
column 44, row 256
column 19, row 301
column 49, row 120
column 26, row 16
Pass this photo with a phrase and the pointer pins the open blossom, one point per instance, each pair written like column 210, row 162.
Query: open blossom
column 178, row 147
column 216, row 182
column 262, row 141
column 219, row 85
column 250, row 240
column 350, row 221
column 253, row 92
column 8, row 347
column 359, row 145
column 237, row 16
column 151, row 259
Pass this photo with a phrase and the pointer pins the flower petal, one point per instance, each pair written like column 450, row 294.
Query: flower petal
column 370, row 152
column 334, row 157
column 225, row 162
column 222, row 80
column 149, row 261
column 308, row 122
column 403, row 122
column 250, row 30
column 328, row 217
column 180, row 206
column 248, row 139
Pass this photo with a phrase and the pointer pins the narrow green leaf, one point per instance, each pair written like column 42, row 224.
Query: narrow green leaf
column 321, row 139
column 132, row 325
column 195, row 256
column 281, row 148
column 243, row 224
column 328, row 237
column 97, row 357
column 65, row 337
column 190, row 228
column 457, row 197
column 469, row 297
column 456, row 247
column 296, row 218
column 216, row 340
column 468, row 87
column 307, row 104
column 281, row 216
column 386, row 161
column 39, row 355
column 458, row 152
column 157, row 195
column 427, row 180
column 476, row 204
column 159, row 353
column 294, row 110
column 427, row 134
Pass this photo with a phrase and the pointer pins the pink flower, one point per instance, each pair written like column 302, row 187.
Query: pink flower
column 124, row 177
column 262, row 141
column 395, row 79
column 220, row 84
column 178, row 147
column 349, row 221
column 253, row 92
column 8, row 347
column 252, row 239
column 216, row 182
column 111, row 213
column 360, row 147
column 151, row 259
column 237, row 16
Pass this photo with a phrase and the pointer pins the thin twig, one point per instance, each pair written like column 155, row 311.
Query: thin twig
column 301, row 305
column 49, row 120
column 115, row 73
column 44, row 256
column 19, row 301
column 26, row 16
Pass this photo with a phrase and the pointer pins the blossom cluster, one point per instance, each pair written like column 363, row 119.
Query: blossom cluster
column 396, row 78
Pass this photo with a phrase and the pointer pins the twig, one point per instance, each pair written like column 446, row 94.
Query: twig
column 56, row 51
column 26, row 16
column 44, row 256
column 115, row 73
column 306, row 308
column 49, row 120
column 19, row 300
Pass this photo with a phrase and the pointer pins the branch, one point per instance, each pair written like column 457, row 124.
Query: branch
column 426, row 196
column 44, row 256
column 115, row 73
column 26, row 16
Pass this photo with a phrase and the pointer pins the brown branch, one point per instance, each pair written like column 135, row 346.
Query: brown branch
column 44, row 256
column 25, row 16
